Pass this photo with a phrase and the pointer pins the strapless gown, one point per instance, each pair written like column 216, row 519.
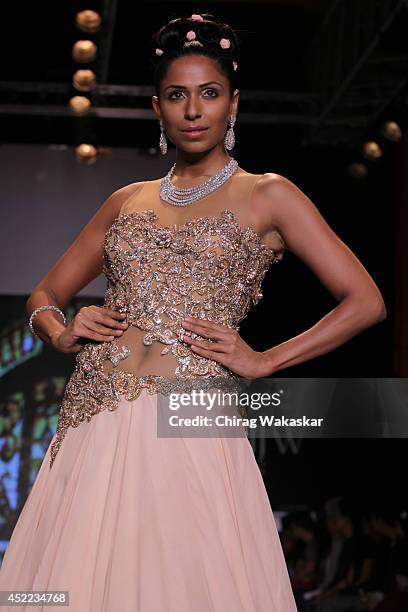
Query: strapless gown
column 125, row 520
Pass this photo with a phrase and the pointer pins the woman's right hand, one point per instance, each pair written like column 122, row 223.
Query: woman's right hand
column 93, row 323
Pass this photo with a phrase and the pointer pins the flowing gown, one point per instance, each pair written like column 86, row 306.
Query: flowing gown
column 121, row 518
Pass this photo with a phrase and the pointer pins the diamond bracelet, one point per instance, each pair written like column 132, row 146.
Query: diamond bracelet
column 40, row 309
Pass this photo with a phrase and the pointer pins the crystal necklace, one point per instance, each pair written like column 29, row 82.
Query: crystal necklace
column 183, row 197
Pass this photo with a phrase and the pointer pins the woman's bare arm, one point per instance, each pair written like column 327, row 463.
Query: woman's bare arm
column 81, row 263
column 310, row 238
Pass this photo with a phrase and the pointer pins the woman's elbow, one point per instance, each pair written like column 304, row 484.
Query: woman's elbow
column 381, row 308
column 383, row 313
column 366, row 310
column 376, row 310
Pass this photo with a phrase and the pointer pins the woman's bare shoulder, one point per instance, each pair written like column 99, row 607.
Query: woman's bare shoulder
column 118, row 197
column 269, row 183
column 274, row 181
column 128, row 190
column 277, row 193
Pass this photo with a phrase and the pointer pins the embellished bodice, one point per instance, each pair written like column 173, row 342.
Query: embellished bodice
column 209, row 267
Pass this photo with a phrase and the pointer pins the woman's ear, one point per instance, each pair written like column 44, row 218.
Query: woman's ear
column 156, row 106
column 234, row 103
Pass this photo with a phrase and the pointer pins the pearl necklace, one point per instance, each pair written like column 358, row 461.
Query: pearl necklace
column 183, row 197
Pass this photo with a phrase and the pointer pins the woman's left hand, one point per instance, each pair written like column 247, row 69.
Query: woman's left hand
column 229, row 348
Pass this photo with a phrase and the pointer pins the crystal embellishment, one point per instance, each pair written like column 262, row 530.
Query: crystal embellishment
column 116, row 354
column 184, row 197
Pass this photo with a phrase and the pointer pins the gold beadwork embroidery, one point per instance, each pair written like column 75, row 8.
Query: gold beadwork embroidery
column 209, row 268
column 117, row 355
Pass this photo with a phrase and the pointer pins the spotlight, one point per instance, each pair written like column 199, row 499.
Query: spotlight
column 372, row 150
column 84, row 51
column 358, row 170
column 88, row 21
column 84, row 80
column 392, row 131
column 86, row 154
column 79, row 104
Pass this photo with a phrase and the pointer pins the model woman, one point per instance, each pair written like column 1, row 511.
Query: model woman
column 121, row 518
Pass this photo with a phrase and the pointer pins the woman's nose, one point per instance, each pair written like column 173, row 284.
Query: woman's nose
column 192, row 109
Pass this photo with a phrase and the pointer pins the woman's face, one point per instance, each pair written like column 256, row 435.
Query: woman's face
column 195, row 93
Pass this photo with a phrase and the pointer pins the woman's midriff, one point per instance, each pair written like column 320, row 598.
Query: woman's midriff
column 142, row 360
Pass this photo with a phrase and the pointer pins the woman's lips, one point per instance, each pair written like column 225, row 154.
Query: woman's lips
column 194, row 133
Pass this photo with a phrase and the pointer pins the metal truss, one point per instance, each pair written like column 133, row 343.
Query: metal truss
column 352, row 70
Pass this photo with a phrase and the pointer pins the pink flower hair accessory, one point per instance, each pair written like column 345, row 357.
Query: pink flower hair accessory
column 196, row 17
column 225, row 43
column 190, row 35
column 159, row 51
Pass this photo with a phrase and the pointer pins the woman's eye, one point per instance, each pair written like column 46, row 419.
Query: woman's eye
column 178, row 92
column 213, row 90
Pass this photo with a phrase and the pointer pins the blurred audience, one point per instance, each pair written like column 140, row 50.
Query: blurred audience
column 346, row 559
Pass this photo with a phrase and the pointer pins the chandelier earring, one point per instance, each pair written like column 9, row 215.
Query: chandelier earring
column 163, row 140
column 229, row 139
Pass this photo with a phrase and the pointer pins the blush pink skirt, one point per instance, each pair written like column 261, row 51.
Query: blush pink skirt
column 128, row 521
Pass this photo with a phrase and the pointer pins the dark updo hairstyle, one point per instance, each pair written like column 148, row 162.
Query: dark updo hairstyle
column 171, row 37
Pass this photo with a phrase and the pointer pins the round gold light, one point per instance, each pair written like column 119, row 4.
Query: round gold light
column 79, row 104
column 86, row 153
column 372, row 150
column 84, row 51
column 84, row 80
column 392, row 131
column 88, row 21
column 358, row 170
